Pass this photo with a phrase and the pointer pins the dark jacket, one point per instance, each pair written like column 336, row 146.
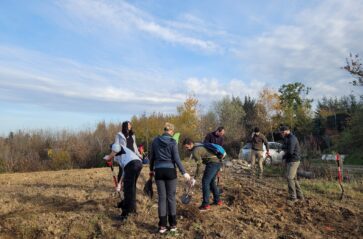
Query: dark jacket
column 214, row 139
column 292, row 149
column 164, row 153
column 258, row 141
column 202, row 155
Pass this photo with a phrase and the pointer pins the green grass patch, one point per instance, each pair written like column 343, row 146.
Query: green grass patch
column 331, row 189
column 274, row 170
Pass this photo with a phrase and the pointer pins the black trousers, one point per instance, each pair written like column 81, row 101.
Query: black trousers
column 132, row 172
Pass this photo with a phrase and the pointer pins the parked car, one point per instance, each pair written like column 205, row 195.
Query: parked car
column 275, row 157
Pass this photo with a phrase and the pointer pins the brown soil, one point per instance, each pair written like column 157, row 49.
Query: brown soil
column 80, row 204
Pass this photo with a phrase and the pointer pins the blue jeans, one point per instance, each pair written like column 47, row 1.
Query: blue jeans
column 209, row 183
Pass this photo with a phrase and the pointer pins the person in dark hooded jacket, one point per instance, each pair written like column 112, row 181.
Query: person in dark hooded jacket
column 164, row 159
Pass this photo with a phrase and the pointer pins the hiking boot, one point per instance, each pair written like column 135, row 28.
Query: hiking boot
column 173, row 228
column 123, row 218
column 301, row 198
column 162, row 230
column 204, row 208
column 219, row 203
column 291, row 201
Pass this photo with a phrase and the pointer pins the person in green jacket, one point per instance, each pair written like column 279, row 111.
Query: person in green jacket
column 212, row 165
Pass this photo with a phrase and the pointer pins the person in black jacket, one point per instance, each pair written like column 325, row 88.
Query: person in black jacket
column 292, row 158
column 215, row 137
column 164, row 159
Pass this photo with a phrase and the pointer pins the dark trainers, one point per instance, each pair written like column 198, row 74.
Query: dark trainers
column 162, row 230
column 204, row 208
column 219, row 203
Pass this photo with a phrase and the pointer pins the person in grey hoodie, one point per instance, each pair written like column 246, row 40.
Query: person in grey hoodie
column 164, row 159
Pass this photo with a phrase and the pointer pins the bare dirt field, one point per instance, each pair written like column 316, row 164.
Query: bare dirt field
column 80, row 204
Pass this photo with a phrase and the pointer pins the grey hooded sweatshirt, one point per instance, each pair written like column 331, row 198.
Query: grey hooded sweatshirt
column 165, row 154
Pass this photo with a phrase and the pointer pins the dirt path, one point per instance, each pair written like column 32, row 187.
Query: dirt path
column 79, row 204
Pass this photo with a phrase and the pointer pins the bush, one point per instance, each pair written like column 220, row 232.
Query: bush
column 61, row 160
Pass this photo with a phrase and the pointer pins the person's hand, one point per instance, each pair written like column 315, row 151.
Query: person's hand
column 119, row 187
column 192, row 182
column 108, row 160
column 267, row 153
column 151, row 173
column 186, row 176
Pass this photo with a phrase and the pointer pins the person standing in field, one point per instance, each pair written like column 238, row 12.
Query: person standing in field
column 164, row 158
column 257, row 140
column 127, row 139
column 212, row 165
column 292, row 158
column 215, row 137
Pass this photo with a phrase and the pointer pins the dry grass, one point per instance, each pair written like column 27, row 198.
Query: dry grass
column 80, row 204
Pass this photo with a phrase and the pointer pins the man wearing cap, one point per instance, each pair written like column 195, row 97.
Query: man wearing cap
column 257, row 141
column 292, row 158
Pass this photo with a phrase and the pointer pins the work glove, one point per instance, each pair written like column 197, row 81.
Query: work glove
column 108, row 160
column 186, row 176
column 151, row 173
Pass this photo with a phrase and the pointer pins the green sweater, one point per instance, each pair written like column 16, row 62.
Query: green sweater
column 202, row 155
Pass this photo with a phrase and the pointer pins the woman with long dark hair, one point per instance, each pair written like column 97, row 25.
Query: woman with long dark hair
column 126, row 137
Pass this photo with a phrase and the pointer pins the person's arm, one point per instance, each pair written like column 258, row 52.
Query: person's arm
column 266, row 144
column 291, row 142
column 250, row 138
column 135, row 147
column 176, row 158
column 120, row 139
column 198, row 159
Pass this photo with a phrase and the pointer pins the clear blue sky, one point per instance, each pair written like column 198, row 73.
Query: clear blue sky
column 72, row 63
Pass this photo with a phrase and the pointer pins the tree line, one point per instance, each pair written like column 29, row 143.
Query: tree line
column 336, row 125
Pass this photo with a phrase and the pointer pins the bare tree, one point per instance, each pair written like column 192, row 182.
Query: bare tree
column 355, row 68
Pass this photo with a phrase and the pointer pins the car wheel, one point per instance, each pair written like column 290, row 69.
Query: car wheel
column 268, row 161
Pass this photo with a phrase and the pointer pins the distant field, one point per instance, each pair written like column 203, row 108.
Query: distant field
column 80, row 204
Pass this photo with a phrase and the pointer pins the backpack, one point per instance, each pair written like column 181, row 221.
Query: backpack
column 216, row 149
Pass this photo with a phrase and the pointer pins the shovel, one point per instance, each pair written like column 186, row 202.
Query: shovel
column 148, row 188
column 187, row 196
